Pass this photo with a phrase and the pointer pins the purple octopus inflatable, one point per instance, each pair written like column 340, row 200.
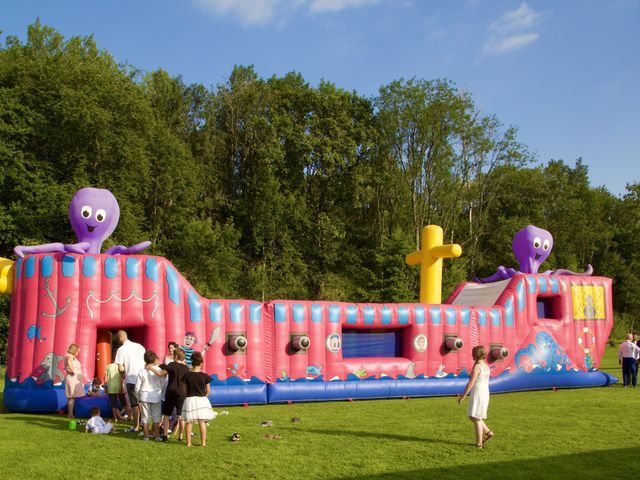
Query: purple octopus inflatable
column 94, row 215
column 531, row 246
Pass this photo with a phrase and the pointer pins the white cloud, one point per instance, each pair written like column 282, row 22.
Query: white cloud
column 498, row 46
column 512, row 31
column 261, row 12
column 247, row 12
column 319, row 6
column 522, row 18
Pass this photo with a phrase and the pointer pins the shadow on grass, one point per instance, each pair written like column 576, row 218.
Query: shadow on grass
column 378, row 436
column 61, row 423
column 600, row 464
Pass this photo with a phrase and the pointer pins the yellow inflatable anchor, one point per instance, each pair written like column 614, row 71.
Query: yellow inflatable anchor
column 429, row 257
column 7, row 273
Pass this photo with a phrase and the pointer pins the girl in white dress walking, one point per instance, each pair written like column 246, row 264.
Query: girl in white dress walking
column 478, row 390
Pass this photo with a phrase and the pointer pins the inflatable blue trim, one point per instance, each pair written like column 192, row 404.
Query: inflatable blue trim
column 40, row 399
column 430, row 387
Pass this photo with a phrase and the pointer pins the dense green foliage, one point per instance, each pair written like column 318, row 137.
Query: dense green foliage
column 273, row 188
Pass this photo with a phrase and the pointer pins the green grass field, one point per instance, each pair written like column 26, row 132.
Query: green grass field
column 583, row 433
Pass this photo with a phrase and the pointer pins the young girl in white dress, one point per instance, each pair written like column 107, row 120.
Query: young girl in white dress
column 478, row 390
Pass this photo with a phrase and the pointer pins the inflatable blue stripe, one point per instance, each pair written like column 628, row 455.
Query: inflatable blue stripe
column 30, row 266
column 46, row 266
column 41, row 399
column 174, row 287
column 482, row 318
column 543, row 285
column 419, row 315
column 403, row 315
column 298, row 313
column 531, row 282
column 280, row 312
column 334, row 313
column 310, row 391
column 88, row 267
column 554, row 285
column 110, row 267
column 495, row 318
column 151, row 269
column 215, row 312
column 521, row 299
column 19, row 268
column 435, row 314
column 68, row 266
column 255, row 312
column 195, row 307
column 316, row 313
column 465, row 316
column 235, row 312
column 369, row 315
column 352, row 314
column 385, row 315
column 450, row 314
column 131, row 267
column 508, row 312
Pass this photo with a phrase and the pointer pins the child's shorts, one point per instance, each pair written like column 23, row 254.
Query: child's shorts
column 114, row 398
column 151, row 412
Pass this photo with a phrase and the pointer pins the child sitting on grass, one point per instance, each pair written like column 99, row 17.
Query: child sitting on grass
column 149, row 389
column 97, row 425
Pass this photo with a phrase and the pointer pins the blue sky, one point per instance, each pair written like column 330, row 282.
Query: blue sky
column 565, row 72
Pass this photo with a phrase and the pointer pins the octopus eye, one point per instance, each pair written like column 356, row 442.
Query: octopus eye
column 86, row 211
column 101, row 215
column 546, row 244
column 537, row 242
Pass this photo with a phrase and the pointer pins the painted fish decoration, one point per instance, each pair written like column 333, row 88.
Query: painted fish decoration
column 313, row 370
column 360, row 373
column 35, row 332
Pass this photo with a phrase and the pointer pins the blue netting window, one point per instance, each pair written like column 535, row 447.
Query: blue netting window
column 358, row 343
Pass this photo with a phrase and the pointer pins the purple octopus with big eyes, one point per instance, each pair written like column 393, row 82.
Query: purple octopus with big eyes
column 94, row 215
column 531, row 246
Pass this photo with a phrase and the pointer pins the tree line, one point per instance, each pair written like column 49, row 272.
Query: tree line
column 266, row 188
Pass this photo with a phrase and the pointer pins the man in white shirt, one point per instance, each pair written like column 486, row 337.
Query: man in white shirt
column 130, row 360
column 627, row 357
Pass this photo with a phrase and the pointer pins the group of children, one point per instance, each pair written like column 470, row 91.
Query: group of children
column 186, row 392
column 161, row 390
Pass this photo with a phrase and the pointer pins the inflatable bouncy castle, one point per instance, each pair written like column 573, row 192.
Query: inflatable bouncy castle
column 542, row 331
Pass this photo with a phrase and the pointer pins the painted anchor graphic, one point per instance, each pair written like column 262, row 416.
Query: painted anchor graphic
column 51, row 294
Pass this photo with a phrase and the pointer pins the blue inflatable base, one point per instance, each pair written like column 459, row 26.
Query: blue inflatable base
column 31, row 398
column 34, row 400
column 429, row 387
column 227, row 395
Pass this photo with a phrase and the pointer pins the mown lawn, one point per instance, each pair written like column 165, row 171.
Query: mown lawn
column 585, row 433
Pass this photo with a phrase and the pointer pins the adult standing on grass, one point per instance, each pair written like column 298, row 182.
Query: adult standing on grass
column 627, row 356
column 73, row 387
column 478, row 390
column 130, row 360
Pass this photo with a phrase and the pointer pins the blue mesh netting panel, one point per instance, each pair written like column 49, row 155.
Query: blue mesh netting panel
column 371, row 343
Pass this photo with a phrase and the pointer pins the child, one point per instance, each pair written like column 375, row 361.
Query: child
column 478, row 385
column 113, row 379
column 196, row 407
column 96, row 389
column 149, row 389
column 96, row 423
